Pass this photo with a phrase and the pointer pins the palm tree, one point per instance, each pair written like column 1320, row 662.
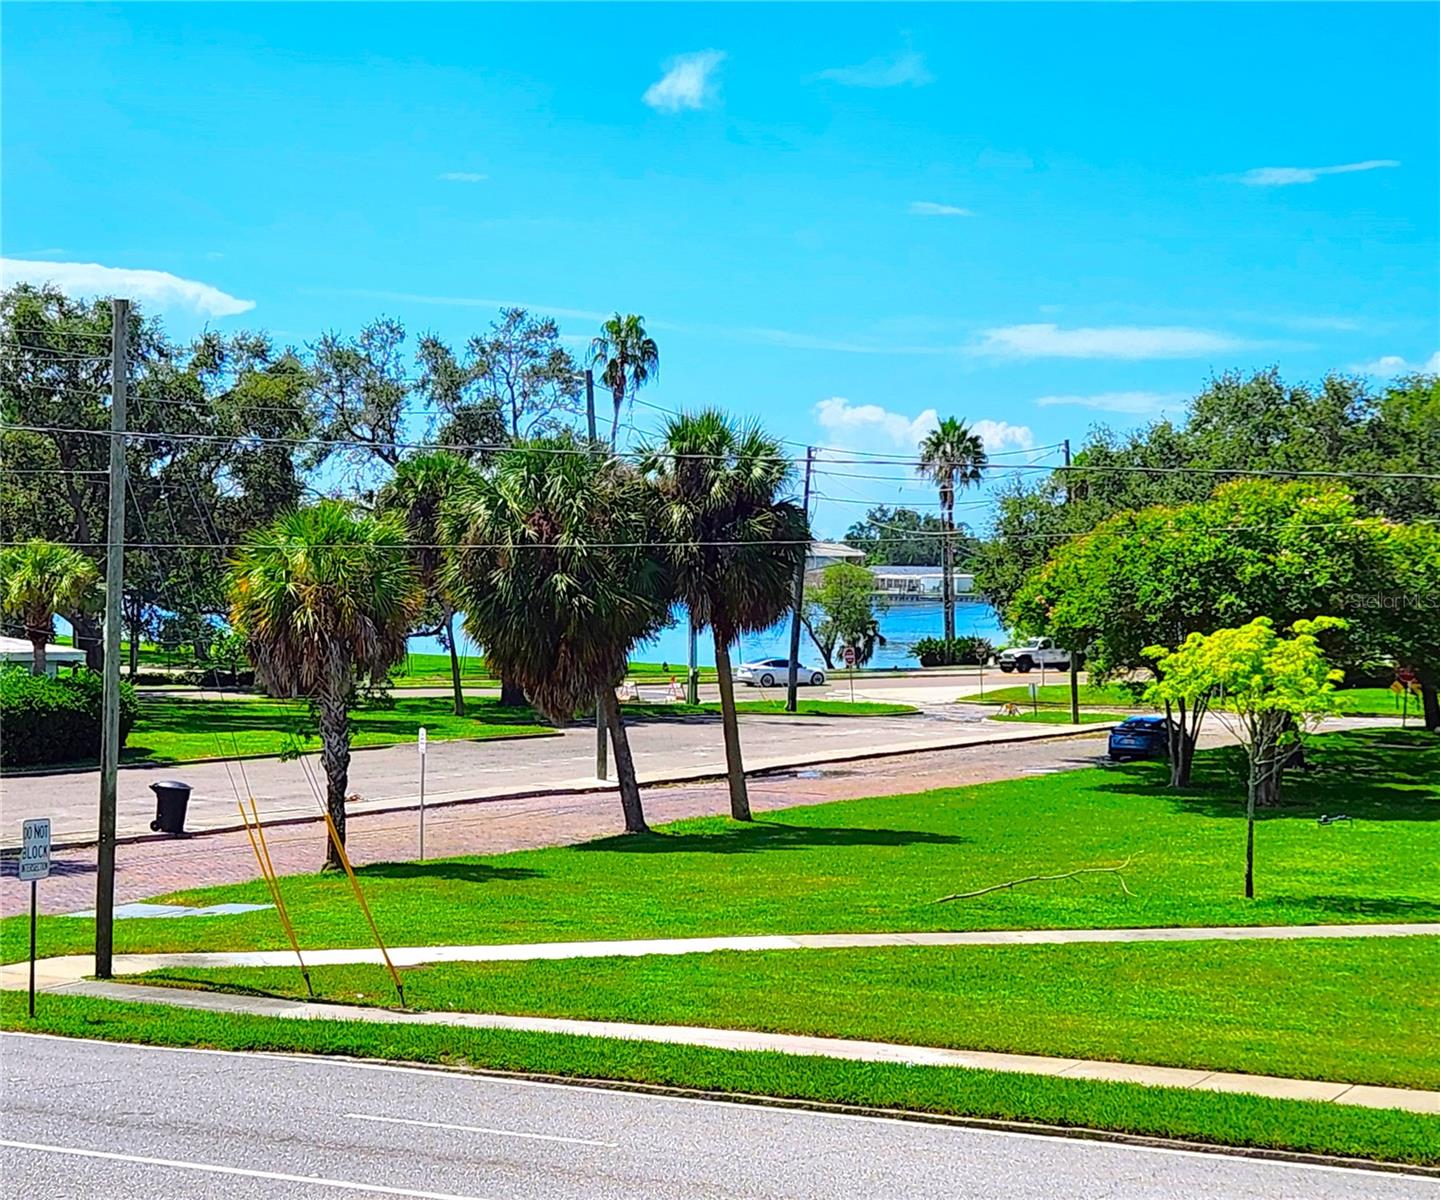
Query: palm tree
column 324, row 599
column 40, row 579
column 628, row 359
column 735, row 541
column 550, row 557
column 953, row 458
column 414, row 494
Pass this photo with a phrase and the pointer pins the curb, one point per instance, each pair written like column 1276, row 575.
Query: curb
column 708, row 776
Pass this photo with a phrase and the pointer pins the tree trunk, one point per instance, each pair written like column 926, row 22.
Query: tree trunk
column 38, row 664
column 619, row 398
column 624, row 764
column 455, row 662
column 87, row 631
column 734, row 765
column 948, row 572
column 134, row 649
column 1250, row 834
column 1430, row 703
column 512, row 695
column 335, row 758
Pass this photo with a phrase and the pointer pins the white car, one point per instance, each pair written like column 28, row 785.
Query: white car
column 769, row 672
column 1037, row 652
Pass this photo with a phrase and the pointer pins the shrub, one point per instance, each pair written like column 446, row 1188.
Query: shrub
column 55, row 720
column 969, row 650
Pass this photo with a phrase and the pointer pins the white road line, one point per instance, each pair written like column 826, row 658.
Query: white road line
column 348, row 1185
column 515, row 1133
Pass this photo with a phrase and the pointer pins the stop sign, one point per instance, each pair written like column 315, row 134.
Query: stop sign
column 849, row 656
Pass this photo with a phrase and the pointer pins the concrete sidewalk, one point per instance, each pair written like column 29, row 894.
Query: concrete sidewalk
column 63, row 969
column 385, row 778
column 1359, row 1095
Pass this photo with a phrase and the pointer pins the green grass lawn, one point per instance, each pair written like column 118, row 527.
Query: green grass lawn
column 172, row 729
column 1353, row 1010
column 1054, row 695
column 1235, row 1120
column 1356, row 702
column 433, row 670
column 878, row 864
column 1053, row 716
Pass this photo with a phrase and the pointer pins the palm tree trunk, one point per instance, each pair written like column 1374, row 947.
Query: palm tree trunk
column 1430, row 704
column 454, row 662
column 335, row 758
column 87, row 637
column 512, row 695
column 624, row 764
column 949, row 575
column 734, row 764
column 38, row 665
column 619, row 397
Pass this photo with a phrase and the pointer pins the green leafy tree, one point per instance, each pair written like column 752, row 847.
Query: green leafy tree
column 324, row 599
column 628, row 359
column 361, row 389
column 1257, row 548
column 735, row 540
column 415, row 493
column 524, row 371
column 1264, row 687
column 842, row 610
column 903, row 537
column 551, row 559
column 1407, row 607
column 953, row 458
column 39, row 579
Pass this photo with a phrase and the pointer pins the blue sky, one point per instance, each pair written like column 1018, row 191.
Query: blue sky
column 840, row 219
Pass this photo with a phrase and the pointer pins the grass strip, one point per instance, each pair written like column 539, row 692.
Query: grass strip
column 1233, row 1120
column 1051, row 716
column 1355, row 1010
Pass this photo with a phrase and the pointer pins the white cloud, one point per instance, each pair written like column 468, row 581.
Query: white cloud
column 688, row 82
column 858, row 425
column 1285, row 176
column 1388, row 366
column 905, row 69
column 158, row 288
column 462, row 177
column 928, row 208
column 1132, row 403
column 1116, row 341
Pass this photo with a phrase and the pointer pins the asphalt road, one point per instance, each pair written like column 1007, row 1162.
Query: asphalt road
column 84, row 1119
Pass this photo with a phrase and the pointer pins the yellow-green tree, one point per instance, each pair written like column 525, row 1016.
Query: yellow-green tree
column 1265, row 688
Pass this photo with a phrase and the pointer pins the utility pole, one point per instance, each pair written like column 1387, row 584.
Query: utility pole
column 692, row 675
column 590, row 400
column 602, row 758
column 1074, row 666
column 794, row 671
column 114, row 585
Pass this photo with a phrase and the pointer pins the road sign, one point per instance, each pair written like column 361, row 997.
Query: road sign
column 1406, row 676
column 423, row 739
column 35, row 848
column 849, row 656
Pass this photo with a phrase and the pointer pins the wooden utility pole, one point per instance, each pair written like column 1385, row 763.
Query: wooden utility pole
column 114, row 586
column 794, row 671
column 1074, row 666
column 602, row 757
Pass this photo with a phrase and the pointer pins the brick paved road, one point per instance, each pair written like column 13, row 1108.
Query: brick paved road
column 151, row 868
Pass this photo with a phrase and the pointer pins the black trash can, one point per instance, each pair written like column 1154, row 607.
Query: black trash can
column 172, row 798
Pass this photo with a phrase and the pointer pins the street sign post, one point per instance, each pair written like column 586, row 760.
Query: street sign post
column 422, row 744
column 1034, row 697
column 34, row 866
column 850, row 665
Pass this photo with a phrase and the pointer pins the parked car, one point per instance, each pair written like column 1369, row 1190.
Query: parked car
column 1140, row 737
column 1037, row 652
column 770, row 671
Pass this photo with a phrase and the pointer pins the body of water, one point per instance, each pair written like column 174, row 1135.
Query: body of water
column 902, row 626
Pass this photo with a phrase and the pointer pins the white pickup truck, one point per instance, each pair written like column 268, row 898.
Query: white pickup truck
column 1037, row 652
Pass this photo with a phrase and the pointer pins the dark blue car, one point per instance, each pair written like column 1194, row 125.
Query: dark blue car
column 1139, row 737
